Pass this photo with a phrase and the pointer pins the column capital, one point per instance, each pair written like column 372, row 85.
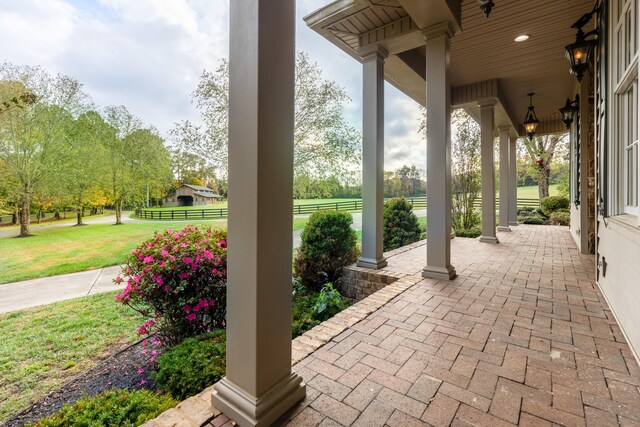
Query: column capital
column 373, row 51
column 487, row 103
column 503, row 128
column 442, row 28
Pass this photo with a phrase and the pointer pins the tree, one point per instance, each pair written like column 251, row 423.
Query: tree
column 323, row 142
column 85, row 176
column 136, row 158
column 465, row 171
column 542, row 150
column 32, row 133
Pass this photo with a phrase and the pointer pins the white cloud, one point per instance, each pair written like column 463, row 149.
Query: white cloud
column 149, row 54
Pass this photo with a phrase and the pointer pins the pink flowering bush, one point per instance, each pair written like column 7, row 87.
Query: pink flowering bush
column 178, row 280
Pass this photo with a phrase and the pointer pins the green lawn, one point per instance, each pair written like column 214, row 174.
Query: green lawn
column 70, row 249
column 531, row 191
column 44, row 347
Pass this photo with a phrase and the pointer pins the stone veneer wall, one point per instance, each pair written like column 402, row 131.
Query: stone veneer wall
column 359, row 282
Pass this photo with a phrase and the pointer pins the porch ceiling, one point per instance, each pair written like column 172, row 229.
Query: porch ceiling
column 485, row 48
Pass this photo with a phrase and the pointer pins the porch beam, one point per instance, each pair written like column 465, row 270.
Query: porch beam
column 259, row 385
column 487, row 111
column 505, row 182
column 372, row 156
column 513, row 182
column 438, row 119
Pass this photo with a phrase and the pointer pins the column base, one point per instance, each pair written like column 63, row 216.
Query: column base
column 504, row 228
column 489, row 239
column 439, row 273
column 248, row 410
column 374, row 264
column 513, row 224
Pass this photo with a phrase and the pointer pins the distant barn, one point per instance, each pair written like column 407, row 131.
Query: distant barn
column 192, row 195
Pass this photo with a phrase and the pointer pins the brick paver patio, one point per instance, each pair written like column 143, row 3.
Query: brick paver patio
column 522, row 336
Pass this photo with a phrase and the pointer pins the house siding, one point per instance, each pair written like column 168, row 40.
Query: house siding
column 619, row 249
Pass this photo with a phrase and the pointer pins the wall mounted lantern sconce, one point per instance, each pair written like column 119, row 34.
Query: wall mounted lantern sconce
column 486, row 6
column 530, row 120
column 579, row 53
column 569, row 110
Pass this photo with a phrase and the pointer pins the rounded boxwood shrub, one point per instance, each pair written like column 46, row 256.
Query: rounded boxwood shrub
column 400, row 226
column 328, row 243
column 553, row 203
column 534, row 220
column 178, row 280
column 117, row 408
column 193, row 365
column 473, row 232
column 560, row 218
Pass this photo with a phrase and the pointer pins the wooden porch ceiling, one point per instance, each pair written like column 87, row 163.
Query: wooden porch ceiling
column 485, row 48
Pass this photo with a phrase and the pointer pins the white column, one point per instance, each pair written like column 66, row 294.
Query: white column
column 505, row 183
column 513, row 182
column 488, row 173
column 438, row 153
column 372, row 156
column 259, row 385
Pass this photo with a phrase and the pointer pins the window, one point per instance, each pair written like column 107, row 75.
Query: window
column 625, row 103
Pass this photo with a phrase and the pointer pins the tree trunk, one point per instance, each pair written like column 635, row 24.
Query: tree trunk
column 543, row 182
column 79, row 216
column 25, row 230
column 118, row 213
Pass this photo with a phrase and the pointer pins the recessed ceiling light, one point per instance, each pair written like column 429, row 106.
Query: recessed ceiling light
column 522, row 37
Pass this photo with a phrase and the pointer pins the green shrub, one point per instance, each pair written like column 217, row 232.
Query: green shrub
column 193, row 365
column 474, row 232
column 328, row 303
column 528, row 211
column 328, row 243
column 400, row 224
column 553, row 203
column 535, row 220
column 312, row 308
column 111, row 408
column 560, row 218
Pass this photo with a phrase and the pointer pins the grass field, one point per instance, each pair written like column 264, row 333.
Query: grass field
column 44, row 347
column 69, row 249
column 531, row 191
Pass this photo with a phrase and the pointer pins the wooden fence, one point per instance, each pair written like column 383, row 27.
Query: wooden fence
column 353, row 205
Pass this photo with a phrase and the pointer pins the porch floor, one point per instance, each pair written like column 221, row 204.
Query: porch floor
column 522, row 336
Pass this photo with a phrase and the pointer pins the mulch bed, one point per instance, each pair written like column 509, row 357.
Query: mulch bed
column 129, row 368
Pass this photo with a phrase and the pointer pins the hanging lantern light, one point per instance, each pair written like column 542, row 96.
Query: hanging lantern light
column 486, row 6
column 580, row 52
column 530, row 120
column 569, row 110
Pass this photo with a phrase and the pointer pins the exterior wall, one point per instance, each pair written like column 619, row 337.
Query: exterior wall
column 574, row 226
column 618, row 233
column 619, row 250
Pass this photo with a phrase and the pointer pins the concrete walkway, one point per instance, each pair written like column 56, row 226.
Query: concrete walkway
column 31, row 293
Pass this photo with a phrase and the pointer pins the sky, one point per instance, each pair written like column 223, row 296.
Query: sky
column 149, row 54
